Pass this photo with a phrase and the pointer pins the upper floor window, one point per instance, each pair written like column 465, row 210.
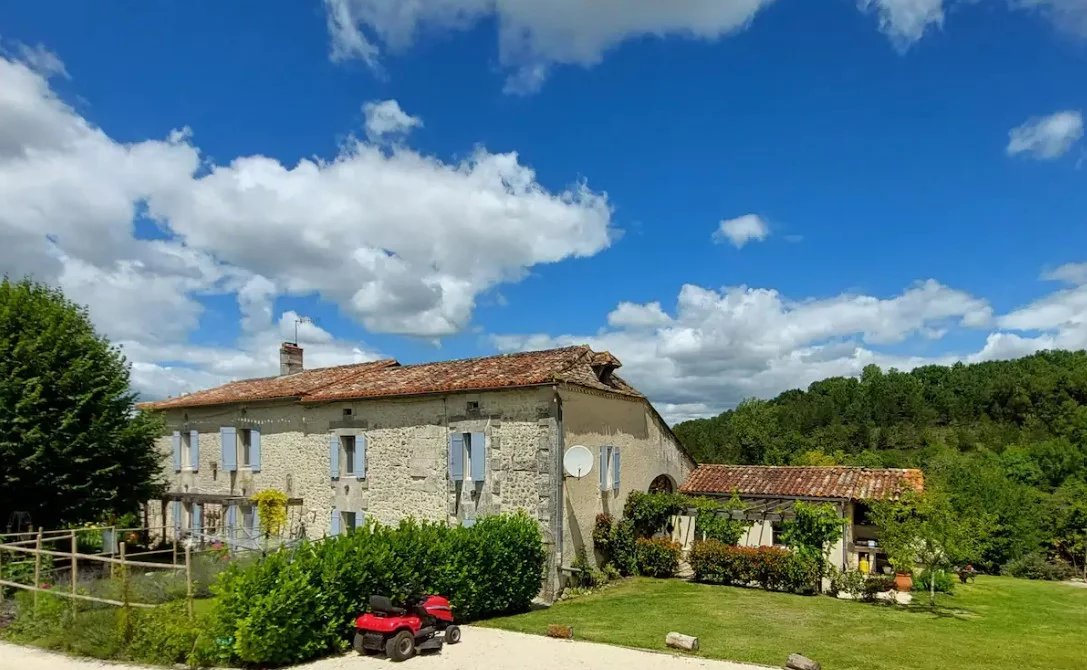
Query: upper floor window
column 245, row 447
column 348, row 442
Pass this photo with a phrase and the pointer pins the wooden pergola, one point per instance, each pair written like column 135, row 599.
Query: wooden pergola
column 777, row 508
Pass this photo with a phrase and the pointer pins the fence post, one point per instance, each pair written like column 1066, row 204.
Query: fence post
column 188, row 579
column 75, row 572
column 37, row 566
column 126, row 612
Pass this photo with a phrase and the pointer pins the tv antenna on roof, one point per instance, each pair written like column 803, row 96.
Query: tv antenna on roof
column 298, row 320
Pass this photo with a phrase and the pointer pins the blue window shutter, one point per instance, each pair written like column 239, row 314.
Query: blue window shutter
column 177, row 450
column 335, row 521
column 254, row 449
column 194, row 450
column 479, row 457
column 256, row 519
column 198, row 518
column 334, row 455
column 603, row 468
column 360, row 519
column 231, row 520
column 177, row 518
column 228, row 436
column 360, row 456
column 456, row 456
column 615, row 467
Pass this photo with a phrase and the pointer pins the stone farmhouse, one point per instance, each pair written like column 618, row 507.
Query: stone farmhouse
column 770, row 491
column 450, row 441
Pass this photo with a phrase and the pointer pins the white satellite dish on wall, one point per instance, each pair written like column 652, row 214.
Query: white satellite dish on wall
column 577, row 461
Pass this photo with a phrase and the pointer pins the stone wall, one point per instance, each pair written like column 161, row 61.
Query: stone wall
column 406, row 455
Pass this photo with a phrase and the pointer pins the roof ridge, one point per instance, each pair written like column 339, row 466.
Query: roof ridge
column 512, row 354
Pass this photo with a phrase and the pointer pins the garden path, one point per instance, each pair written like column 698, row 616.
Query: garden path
column 483, row 649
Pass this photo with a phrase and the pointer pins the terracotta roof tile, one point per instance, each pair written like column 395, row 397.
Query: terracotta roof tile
column 388, row 378
column 269, row 388
column 836, row 482
column 532, row 368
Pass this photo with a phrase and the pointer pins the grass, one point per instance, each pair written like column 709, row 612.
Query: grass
column 998, row 622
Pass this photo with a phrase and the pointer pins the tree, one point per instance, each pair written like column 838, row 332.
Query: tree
column 73, row 447
column 926, row 529
column 812, row 531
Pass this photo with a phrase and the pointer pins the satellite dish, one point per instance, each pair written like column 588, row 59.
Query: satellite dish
column 577, row 461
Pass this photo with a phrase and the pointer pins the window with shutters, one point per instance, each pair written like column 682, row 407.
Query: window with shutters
column 468, row 457
column 610, row 468
column 347, row 443
column 347, row 521
column 245, row 447
column 186, row 450
column 249, row 519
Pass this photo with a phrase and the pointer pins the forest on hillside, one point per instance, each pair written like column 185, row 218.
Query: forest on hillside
column 1007, row 440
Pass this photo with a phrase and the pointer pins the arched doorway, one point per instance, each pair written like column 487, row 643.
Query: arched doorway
column 662, row 484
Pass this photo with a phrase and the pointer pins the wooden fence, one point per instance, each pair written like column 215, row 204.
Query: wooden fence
column 122, row 562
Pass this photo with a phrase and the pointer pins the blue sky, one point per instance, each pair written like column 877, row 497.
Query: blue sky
column 734, row 200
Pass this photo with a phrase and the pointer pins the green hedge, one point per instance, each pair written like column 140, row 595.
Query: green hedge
column 771, row 568
column 657, row 557
column 296, row 605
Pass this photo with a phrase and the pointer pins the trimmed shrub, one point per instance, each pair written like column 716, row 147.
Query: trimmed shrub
column 296, row 605
column 770, row 568
column 657, row 557
column 1035, row 566
column 944, row 582
column 614, row 540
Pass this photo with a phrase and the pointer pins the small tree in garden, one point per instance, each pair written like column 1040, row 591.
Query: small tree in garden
column 272, row 507
column 926, row 529
column 812, row 531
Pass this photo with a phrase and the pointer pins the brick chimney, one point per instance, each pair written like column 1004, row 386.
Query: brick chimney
column 290, row 359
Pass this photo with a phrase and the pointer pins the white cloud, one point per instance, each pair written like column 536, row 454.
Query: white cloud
column 402, row 241
column 1069, row 16
column 532, row 34
column 741, row 230
column 632, row 315
column 164, row 370
column 1046, row 137
column 722, row 346
column 42, row 60
column 1071, row 273
column 386, row 118
column 906, row 21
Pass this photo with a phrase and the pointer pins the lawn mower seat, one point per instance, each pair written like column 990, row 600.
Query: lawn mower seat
column 382, row 605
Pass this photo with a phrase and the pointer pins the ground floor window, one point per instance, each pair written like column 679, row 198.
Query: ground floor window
column 777, row 528
column 348, row 520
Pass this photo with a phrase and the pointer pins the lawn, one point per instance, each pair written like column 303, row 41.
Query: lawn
column 998, row 622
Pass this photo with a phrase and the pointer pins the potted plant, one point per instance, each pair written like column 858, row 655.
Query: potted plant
column 902, row 559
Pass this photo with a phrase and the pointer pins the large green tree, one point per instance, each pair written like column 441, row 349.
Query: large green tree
column 73, row 446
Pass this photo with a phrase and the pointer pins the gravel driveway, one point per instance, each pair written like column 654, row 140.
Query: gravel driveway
column 483, row 648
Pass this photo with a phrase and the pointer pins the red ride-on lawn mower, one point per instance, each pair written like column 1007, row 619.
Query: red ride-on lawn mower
column 425, row 624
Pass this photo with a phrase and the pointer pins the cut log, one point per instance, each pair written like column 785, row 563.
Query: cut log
column 559, row 631
column 798, row 662
column 681, row 641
